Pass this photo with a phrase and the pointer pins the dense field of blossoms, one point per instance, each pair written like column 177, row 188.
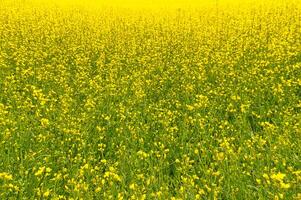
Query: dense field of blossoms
column 178, row 101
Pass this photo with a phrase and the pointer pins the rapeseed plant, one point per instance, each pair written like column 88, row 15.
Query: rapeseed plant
column 162, row 100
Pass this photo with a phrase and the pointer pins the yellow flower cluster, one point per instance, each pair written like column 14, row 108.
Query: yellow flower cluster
column 162, row 99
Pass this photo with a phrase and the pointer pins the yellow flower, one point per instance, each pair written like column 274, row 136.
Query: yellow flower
column 220, row 156
column 98, row 189
column 189, row 107
column 196, row 151
column 201, row 192
column 44, row 122
column 278, row 177
column 133, row 186
column 285, row 185
column 217, row 173
column 265, row 176
column 6, row 176
column 47, row 193
column 40, row 171
column 48, row 169
column 120, row 196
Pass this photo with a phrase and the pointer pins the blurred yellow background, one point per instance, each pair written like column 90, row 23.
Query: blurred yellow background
column 148, row 3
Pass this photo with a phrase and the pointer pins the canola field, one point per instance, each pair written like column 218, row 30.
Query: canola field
column 150, row 99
